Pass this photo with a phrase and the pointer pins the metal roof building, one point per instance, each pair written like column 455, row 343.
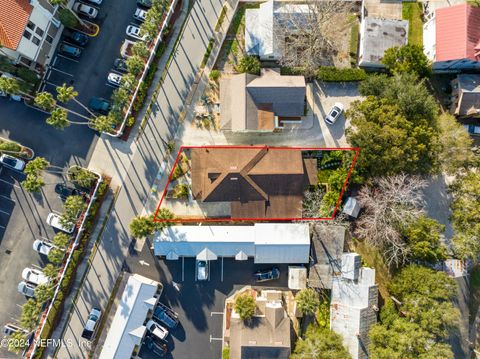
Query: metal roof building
column 265, row 242
column 127, row 330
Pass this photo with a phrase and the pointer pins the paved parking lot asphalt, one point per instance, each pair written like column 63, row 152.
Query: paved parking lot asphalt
column 88, row 74
column 199, row 304
column 22, row 220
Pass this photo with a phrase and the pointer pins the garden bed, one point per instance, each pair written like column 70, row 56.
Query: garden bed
column 15, row 149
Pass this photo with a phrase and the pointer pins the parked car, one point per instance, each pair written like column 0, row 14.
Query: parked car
column 12, row 162
column 334, row 113
column 96, row 2
column 160, row 314
column 169, row 310
column 202, row 270
column 85, row 10
column 34, row 276
column 134, row 31
column 126, row 49
column 27, row 289
column 114, row 79
column 42, row 247
column 100, row 105
column 145, row 3
column 91, row 324
column 10, row 328
column 53, row 220
column 120, row 65
column 267, row 274
column 140, row 15
column 65, row 191
column 156, row 329
column 69, row 50
column 76, row 37
column 157, row 346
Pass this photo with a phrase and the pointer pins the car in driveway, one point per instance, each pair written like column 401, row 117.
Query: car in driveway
column 145, row 3
column 202, row 270
column 120, row 65
column 85, row 10
column 334, row 113
column 156, row 329
column 27, row 289
column 69, row 50
column 140, row 15
column 157, row 346
column 114, row 79
column 42, row 247
column 12, row 162
column 267, row 274
column 92, row 323
column 164, row 316
column 134, row 31
column 76, row 37
column 34, row 276
column 100, row 105
column 53, row 219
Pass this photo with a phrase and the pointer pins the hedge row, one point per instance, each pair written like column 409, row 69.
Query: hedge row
column 333, row 74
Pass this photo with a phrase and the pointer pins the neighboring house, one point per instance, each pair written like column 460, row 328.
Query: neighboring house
column 328, row 242
column 266, row 335
column 125, row 335
column 267, row 27
column 466, row 96
column 264, row 242
column 256, row 182
column 261, row 103
column 451, row 38
column 29, row 31
column 378, row 35
column 354, row 305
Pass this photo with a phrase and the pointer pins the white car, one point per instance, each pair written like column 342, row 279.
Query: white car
column 12, row 162
column 91, row 324
column 334, row 113
column 42, row 247
column 85, row 10
column 202, row 270
column 34, row 276
column 53, row 219
column 114, row 79
column 140, row 15
column 134, row 31
column 126, row 49
column 156, row 329
column 27, row 289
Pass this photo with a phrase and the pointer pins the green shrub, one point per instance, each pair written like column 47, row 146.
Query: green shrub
column 27, row 75
column 332, row 74
column 292, row 71
column 221, row 18
column 226, row 353
column 207, row 53
column 214, row 75
column 249, row 65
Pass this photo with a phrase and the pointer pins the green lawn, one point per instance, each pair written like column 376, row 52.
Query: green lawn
column 412, row 11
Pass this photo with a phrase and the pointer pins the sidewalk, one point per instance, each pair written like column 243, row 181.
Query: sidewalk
column 69, row 301
column 110, row 152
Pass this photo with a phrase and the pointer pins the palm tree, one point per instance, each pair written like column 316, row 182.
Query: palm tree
column 33, row 183
column 245, row 306
column 73, row 206
column 10, row 86
column 141, row 50
column 65, row 94
column 61, row 240
column 30, row 314
column 45, row 101
column 104, row 123
column 18, row 341
column 135, row 65
column 56, row 256
column 43, row 293
column 50, row 271
column 307, row 301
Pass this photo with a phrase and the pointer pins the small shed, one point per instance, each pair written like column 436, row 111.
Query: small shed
column 297, row 277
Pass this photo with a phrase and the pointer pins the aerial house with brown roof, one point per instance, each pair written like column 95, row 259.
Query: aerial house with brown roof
column 257, row 182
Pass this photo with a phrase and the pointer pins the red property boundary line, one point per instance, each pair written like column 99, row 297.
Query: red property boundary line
column 261, row 219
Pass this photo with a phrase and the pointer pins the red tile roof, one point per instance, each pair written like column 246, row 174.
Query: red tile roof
column 457, row 33
column 14, row 16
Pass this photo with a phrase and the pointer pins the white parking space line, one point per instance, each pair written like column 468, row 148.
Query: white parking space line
column 68, row 58
column 8, row 198
column 10, row 183
column 2, row 227
column 215, row 313
column 212, row 338
column 54, row 61
column 107, row 84
column 62, row 72
column 7, row 213
column 51, row 83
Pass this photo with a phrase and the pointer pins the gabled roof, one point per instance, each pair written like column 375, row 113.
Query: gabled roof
column 14, row 15
column 457, row 32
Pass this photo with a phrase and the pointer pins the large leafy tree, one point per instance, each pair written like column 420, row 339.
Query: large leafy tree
column 320, row 343
column 245, row 306
column 389, row 142
column 307, row 301
column 144, row 226
column 407, row 59
column 466, row 215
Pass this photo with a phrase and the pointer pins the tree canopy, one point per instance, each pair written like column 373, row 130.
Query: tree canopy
column 320, row 343
column 249, row 65
column 245, row 305
column 407, row 59
column 307, row 301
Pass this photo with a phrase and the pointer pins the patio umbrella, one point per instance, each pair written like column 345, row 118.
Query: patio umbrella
column 241, row 256
column 206, row 255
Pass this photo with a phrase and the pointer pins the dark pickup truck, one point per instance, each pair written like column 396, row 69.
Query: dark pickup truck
column 166, row 315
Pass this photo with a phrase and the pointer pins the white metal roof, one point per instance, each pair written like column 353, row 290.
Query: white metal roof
column 266, row 242
column 127, row 329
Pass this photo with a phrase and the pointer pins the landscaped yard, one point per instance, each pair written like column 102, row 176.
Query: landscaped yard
column 412, row 11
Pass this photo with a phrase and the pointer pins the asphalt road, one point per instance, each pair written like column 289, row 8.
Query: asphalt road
column 144, row 165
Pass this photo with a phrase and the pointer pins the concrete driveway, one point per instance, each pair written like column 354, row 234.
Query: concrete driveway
column 325, row 95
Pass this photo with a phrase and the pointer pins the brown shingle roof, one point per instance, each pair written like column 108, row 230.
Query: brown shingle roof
column 259, row 183
column 14, row 15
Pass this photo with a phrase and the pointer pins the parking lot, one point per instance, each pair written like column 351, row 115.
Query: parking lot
column 88, row 74
column 22, row 220
column 199, row 304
